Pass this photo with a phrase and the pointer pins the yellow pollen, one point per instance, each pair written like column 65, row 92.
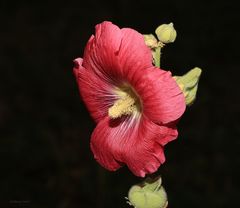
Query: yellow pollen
column 127, row 104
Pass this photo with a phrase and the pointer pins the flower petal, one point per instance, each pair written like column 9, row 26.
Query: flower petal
column 134, row 55
column 96, row 93
column 162, row 100
column 113, row 52
column 132, row 141
column 100, row 55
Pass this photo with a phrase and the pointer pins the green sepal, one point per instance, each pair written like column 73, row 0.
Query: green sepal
column 189, row 84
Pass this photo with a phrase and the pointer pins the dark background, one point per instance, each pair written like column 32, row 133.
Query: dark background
column 45, row 159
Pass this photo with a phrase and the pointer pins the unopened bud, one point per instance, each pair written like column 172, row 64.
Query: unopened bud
column 189, row 84
column 166, row 33
column 150, row 41
column 149, row 194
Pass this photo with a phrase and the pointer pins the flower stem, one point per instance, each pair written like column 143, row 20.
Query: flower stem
column 157, row 57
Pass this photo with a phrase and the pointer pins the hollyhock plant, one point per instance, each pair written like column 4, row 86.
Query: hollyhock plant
column 136, row 105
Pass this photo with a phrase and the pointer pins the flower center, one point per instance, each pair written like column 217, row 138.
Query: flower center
column 128, row 103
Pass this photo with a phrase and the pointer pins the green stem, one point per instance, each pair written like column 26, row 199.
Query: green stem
column 157, row 56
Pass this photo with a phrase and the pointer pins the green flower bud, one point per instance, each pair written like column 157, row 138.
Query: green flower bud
column 155, row 47
column 150, row 41
column 149, row 194
column 166, row 33
column 189, row 84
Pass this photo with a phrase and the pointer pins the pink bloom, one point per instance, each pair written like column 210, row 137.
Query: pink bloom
column 136, row 105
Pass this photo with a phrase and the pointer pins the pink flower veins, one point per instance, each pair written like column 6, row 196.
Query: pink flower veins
column 135, row 104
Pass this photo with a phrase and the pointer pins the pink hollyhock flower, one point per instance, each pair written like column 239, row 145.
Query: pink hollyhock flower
column 136, row 105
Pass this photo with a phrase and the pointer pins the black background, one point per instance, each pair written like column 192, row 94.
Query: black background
column 45, row 128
